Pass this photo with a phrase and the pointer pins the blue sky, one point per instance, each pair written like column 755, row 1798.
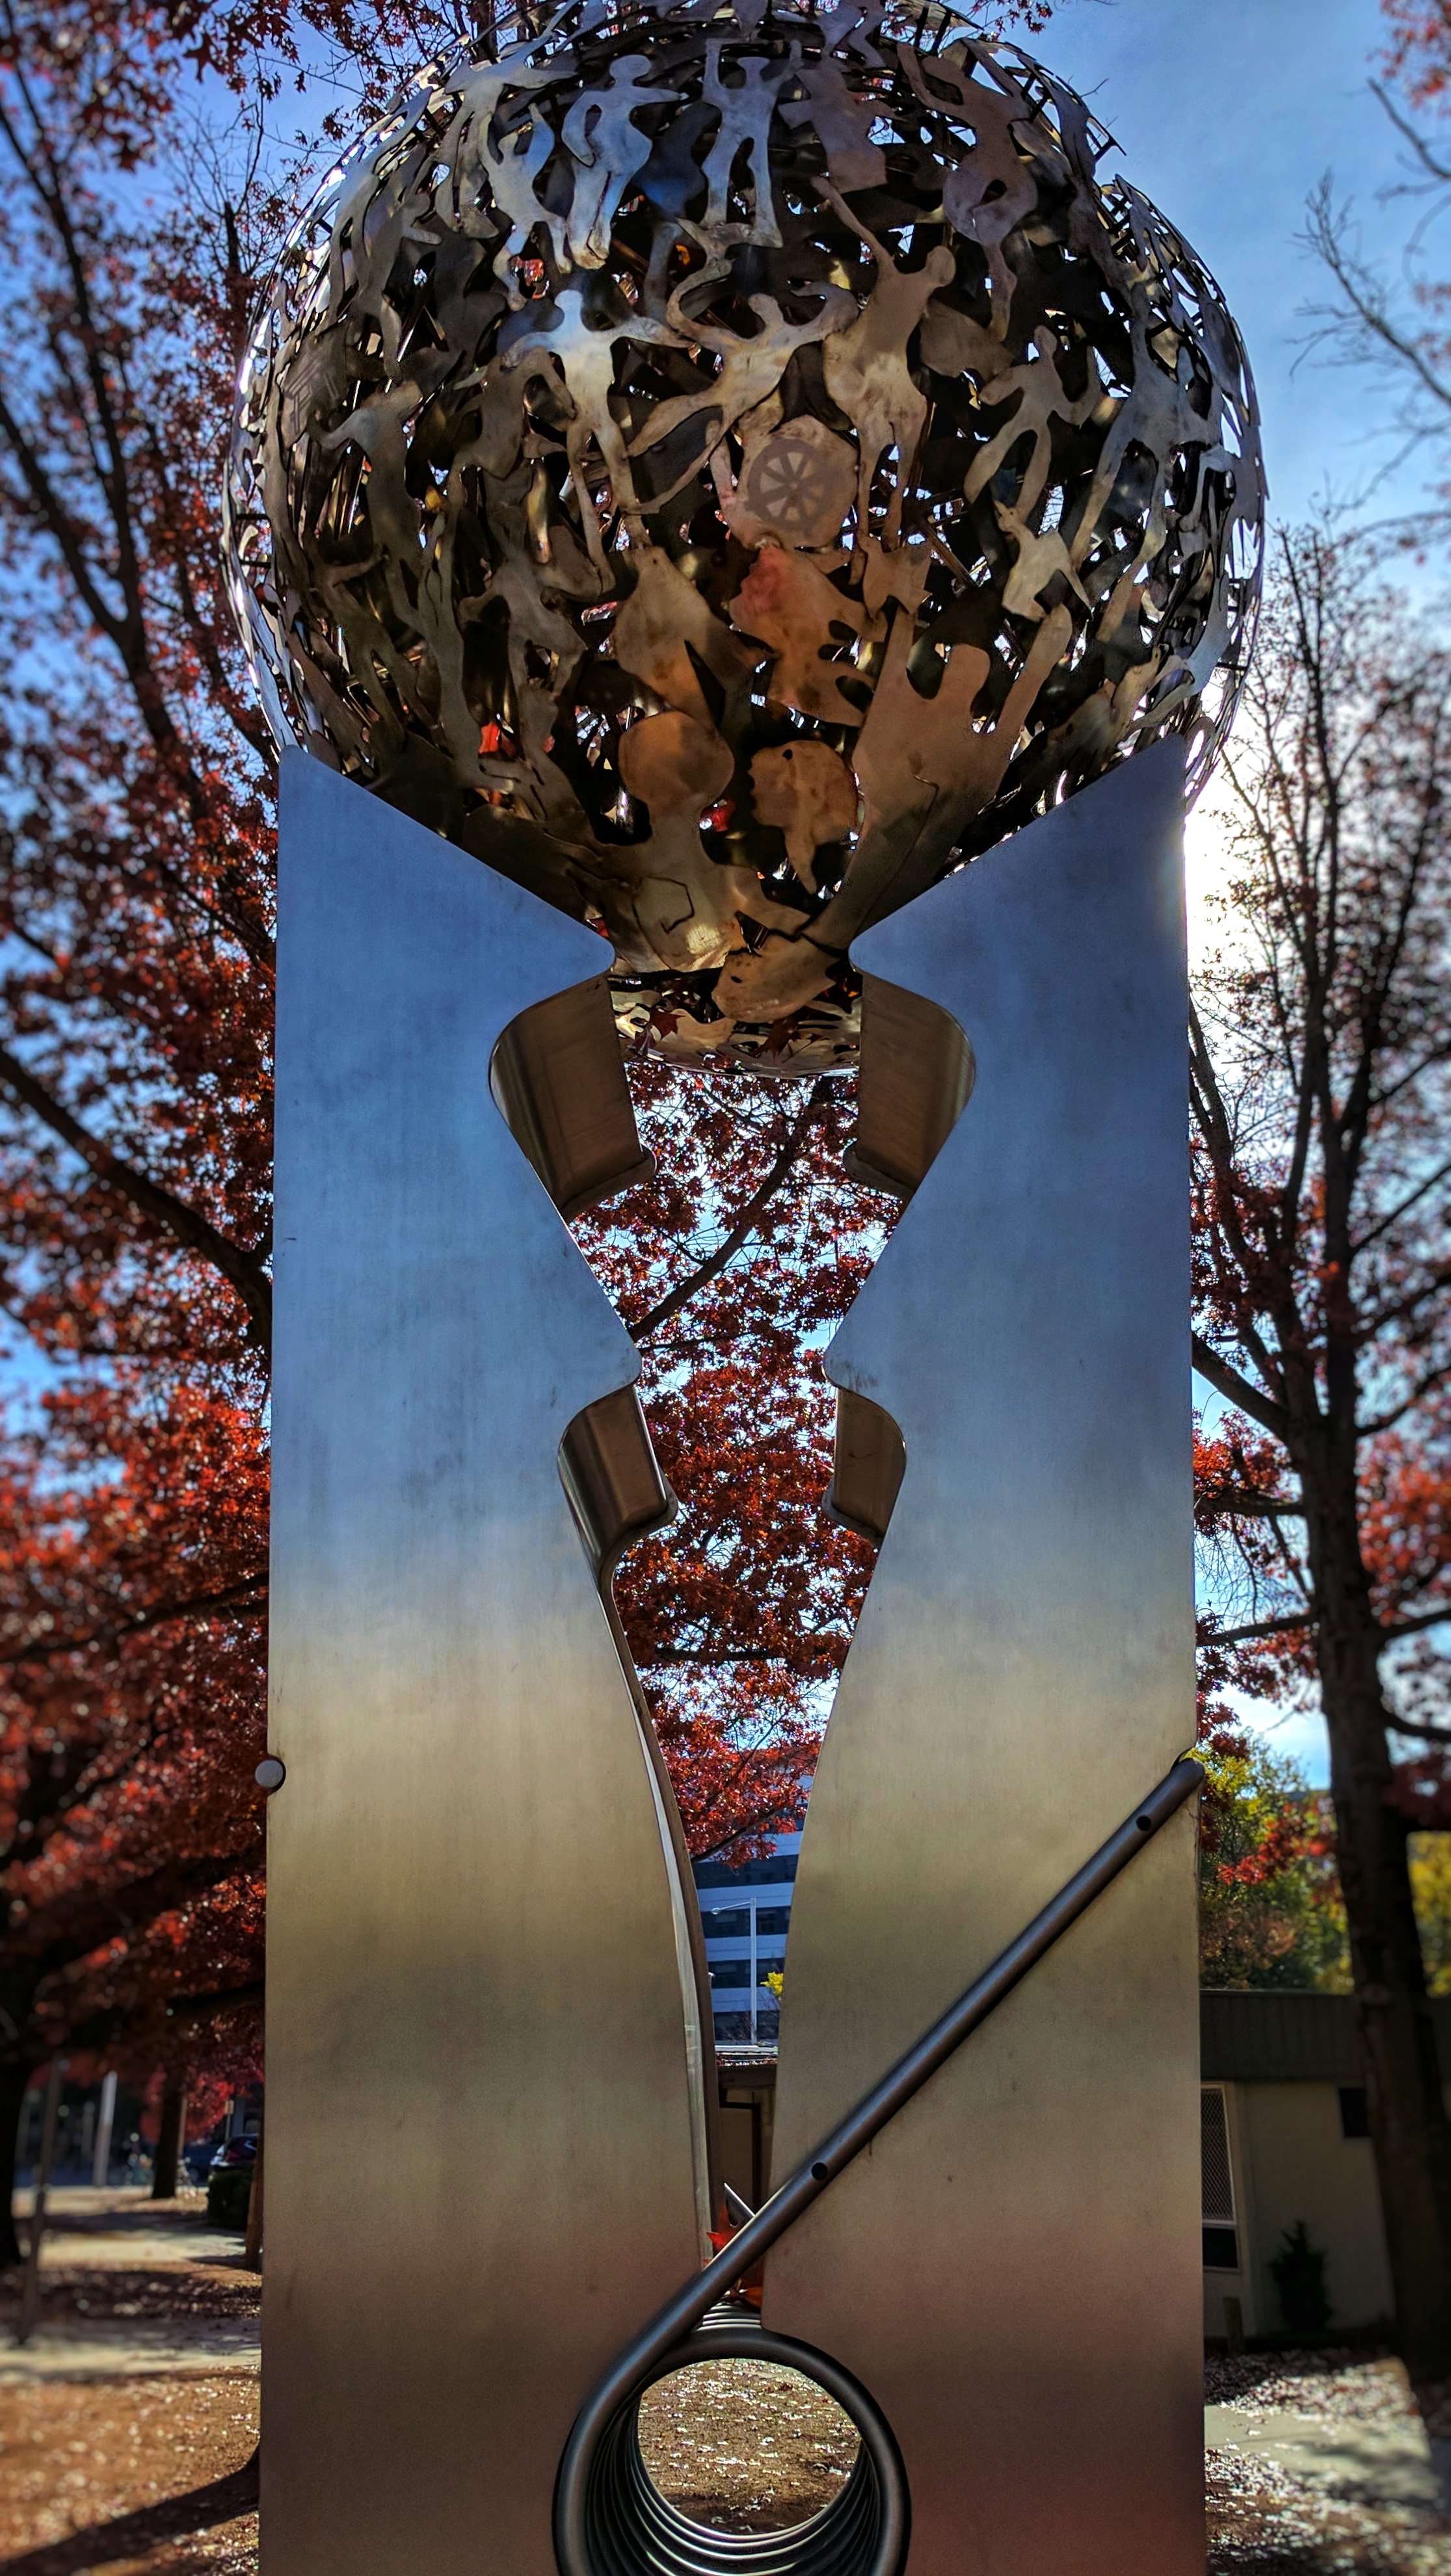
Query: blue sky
column 1228, row 114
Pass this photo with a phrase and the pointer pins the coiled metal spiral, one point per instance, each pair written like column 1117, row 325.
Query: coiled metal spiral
column 863, row 2531
column 609, row 2520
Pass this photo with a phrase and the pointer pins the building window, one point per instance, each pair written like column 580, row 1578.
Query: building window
column 1354, row 2117
column 731, row 1923
column 1221, row 2236
column 737, row 1972
column 778, row 1869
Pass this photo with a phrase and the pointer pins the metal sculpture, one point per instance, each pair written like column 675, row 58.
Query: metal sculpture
column 489, row 2140
column 728, row 468
column 606, row 2520
column 719, row 470
column 486, row 2108
column 1015, row 2273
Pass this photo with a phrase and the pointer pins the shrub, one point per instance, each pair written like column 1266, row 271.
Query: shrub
column 1298, row 2271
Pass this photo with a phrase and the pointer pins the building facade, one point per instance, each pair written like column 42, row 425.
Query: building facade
column 1285, row 2135
column 745, row 1914
column 1286, row 2138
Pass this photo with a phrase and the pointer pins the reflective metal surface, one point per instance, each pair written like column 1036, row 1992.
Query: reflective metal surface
column 613, row 1479
column 558, row 1077
column 916, row 1076
column 1013, row 2269
column 626, row 2527
column 722, row 463
column 867, row 1468
column 597, row 2526
column 484, row 2154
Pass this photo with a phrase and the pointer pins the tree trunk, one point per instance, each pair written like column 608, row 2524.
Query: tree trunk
column 169, row 2143
column 1409, row 2127
column 14, row 2082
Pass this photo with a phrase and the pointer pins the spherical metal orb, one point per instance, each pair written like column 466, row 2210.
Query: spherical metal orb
column 727, row 467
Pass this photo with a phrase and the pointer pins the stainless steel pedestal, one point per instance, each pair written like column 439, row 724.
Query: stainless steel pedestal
column 487, row 2156
column 485, row 2151
column 1013, row 2268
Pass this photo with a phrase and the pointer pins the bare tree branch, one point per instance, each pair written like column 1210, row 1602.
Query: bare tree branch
column 1238, row 1390
column 1433, row 168
column 1293, row 1623
column 1418, row 1727
column 1415, row 1627
column 745, row 1224
column 1364, row 293
column 242, row 1270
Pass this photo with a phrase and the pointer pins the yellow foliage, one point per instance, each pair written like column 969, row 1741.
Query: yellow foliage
column 1431, row 1890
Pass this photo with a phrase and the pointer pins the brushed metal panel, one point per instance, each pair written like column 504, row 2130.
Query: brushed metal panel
column 560, row 1080
column 867, row 1469
column 916, row 1074
column 1013, row 2269
column 612, row 1477
column 483, row 2158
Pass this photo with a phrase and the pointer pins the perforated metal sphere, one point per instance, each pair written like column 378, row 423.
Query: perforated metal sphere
column 725, row 468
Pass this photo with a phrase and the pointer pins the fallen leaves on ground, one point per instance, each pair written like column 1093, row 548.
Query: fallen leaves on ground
column 139, row 2477
column 744, row 2445
column 75, row 2290
column 1263, row 2521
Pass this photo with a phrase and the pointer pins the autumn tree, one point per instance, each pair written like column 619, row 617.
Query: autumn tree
column 1321, row 1042
column 135, row 1013
column 1270, row 1914
column 729, row 1269
column 134, row 1085
column 1270, row 1910
column 131, row 1708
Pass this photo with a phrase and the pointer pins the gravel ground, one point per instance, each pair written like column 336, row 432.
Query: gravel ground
column 72, row 2290
column 151, row 2477
column 1348, row 2386
column 141, row 2478
column 744, row 2445
column 1267, row 2523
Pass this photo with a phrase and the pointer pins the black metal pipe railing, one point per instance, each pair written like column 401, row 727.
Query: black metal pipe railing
column 674, row 2321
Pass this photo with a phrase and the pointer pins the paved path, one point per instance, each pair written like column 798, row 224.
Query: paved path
column 1367, row 2463
column 111, row 2348
column 127, row 2226
column 127, row 2231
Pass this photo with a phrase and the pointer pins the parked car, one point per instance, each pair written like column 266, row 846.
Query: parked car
column 229, row 2182
column 234, row 2151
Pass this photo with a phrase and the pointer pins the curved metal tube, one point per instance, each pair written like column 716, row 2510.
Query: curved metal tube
column 640, row 2361
column 863, row 2531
